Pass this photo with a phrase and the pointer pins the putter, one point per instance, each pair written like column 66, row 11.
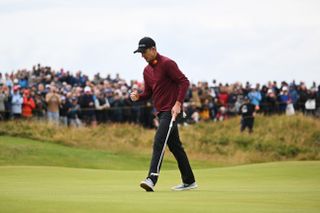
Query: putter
column 165, row 144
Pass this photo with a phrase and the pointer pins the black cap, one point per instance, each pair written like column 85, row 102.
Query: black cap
column 144, row 44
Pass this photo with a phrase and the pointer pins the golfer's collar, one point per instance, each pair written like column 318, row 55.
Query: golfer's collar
column 155, row 61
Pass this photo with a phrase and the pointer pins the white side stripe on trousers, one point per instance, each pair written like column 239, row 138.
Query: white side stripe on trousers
column 164, row 148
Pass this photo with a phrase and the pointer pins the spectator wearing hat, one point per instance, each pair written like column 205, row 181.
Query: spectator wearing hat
column 16, row 82
column 255, row 97
column 28, row 104
column 270, row 103
column 86, row 103
column 284, row 99
column 16, row 103
column 221, row 114
column 53, row 102
column 247, row 111
column 73, row 112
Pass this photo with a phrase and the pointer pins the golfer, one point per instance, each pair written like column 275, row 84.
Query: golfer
column 167, row 86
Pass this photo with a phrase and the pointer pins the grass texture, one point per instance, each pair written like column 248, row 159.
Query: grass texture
column 284, row 187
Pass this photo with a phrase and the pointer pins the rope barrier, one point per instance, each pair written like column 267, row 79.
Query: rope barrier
column 228, row 106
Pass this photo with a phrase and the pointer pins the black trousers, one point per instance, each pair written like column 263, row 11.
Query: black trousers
column 247, row 122
column 175, row 147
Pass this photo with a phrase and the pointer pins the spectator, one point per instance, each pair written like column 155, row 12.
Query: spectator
column 284, row 100
column 117, row 105
column 8, row 81
column 205, row 111
column 195, row 116
column 23, row 82
column 303, row 97
column 214, row 108
column 195, row 98
column 53, row 102
column 63, row 111
column 3, row 99
column 101, row 105
column 255, row 97
column 28, row 104
column 40, row 105
column 271, row 103
column 222, row 114
column 223, row 97
column 86, row 102
column 73, row 113
column 42, row 90
column 214, row 89
column 232, row 99
column 7, row 102
column 310, row 104
column 293, row 94
column 115, row 90
column 16, row 102
column 247, row 110
column 136, row 106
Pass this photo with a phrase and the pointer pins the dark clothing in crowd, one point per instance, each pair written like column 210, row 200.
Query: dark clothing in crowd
column 247, row 116
column 86, row 103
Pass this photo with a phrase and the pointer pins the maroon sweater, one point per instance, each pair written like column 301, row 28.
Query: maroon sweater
column 165, row 83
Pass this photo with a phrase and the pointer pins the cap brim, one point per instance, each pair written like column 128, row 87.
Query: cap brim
column 139, row 50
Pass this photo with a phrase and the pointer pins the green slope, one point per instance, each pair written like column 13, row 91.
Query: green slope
column 20, row 151
column 272, row 187
column 275, row 138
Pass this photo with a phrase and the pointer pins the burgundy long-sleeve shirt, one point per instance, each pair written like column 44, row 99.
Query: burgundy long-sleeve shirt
column 165, row 83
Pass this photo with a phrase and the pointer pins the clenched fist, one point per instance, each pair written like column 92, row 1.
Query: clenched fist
column 134, row 96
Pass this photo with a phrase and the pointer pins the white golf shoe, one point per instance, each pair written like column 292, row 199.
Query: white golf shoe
column 147, row 185
column 185, row 186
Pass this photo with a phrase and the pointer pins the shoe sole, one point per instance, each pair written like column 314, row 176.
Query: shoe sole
column 146, row 187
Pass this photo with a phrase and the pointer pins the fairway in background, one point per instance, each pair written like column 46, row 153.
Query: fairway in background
column 20, row 151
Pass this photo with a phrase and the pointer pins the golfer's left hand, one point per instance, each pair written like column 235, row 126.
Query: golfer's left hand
column 176, row 109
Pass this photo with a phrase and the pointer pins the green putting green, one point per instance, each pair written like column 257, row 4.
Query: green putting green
column 271, row 187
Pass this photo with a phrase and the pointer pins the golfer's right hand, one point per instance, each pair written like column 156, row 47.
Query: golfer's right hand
column 134, row 96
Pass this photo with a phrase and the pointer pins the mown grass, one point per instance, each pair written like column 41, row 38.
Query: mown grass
column 20, row 151
column 275, row 138
column 281, row 187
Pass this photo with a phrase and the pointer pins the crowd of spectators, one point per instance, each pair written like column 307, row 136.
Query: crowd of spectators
column 71, row 99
